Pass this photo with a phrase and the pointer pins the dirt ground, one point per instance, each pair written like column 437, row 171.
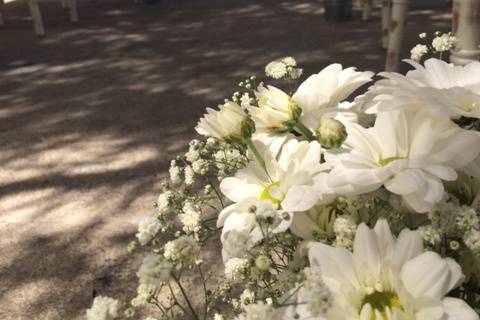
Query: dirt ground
column 91, row 114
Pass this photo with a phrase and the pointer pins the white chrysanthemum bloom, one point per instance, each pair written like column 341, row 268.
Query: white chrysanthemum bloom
column 438, row 86
column 103, row 308
column 148, row 229
column 275, row 108
column 321, row 93
column 234, row 268
column 444, row 42
column 294, row 181
column 184, row 249
column 418, row 52
column 259, row 311
column 190, row 218
column 409, row 152
column 154, row 270
column 388, row 279
column 223, row 123
column 276, row 70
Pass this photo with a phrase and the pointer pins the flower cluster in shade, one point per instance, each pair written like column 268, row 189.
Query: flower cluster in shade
column 327, row 206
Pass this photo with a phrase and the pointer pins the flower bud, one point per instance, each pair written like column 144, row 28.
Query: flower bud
column 331, row 133
column 262, row 263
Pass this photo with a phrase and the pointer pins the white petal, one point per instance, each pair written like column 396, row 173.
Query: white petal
column 427, row 275
column 385, row 237
column 409, row 245
column 236, row 189
column 366, row 248
column 300, row 198
column 336, row 265
column 457, row 309
column 406, row 182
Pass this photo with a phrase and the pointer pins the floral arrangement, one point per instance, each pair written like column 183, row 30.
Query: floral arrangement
column 325, row 208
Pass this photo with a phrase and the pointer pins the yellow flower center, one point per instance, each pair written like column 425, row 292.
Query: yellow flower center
column 386, row 161
column 271, row 193
column 381, row 300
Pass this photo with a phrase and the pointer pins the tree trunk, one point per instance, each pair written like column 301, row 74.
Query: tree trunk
column 466, row 27
column 396, row 31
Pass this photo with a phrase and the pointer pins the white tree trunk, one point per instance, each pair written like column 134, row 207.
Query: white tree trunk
column 466, row 27
column 37, row 17
column 386, row 12
column 367, row 9
column 396, row 32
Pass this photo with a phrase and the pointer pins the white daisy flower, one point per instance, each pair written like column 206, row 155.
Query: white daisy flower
column 275, row 109
column 438, row 86
column 408, row 152
column 321, row 93
column 223, row 123
column 387, row 279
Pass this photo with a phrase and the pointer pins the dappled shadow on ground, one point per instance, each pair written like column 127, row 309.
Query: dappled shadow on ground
column 91, row 114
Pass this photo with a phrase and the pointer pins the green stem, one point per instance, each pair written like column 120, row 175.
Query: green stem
column 184, row 294
column 217, row 193
column 257, row 155
column 305, row 131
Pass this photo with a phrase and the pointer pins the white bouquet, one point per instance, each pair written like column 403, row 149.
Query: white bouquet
column 325, row 208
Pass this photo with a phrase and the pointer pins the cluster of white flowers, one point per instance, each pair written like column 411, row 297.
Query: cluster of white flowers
column 148, row 229
column 155, row 270
column 235, row 267
column 439, row 44
column 444, row 42
column 183, row 249
column 430, row 234
column 144, row 293
column 285, row 68
column 327, row 208
column 164, row 203
column 103, row 308
column 418, row 52
column 175, row 172
column 259, row 311
column 344, row 228
column 472, row 241
column 190, row 218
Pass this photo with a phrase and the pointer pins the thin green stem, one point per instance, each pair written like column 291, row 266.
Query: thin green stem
column 184, row 294
column 175, row 299
column 205, row 292
column 257, row 155
column 305, row 131
column 217, row 193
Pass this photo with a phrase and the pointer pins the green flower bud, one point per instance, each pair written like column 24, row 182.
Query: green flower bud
column 331, row 133
column 263, row 263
